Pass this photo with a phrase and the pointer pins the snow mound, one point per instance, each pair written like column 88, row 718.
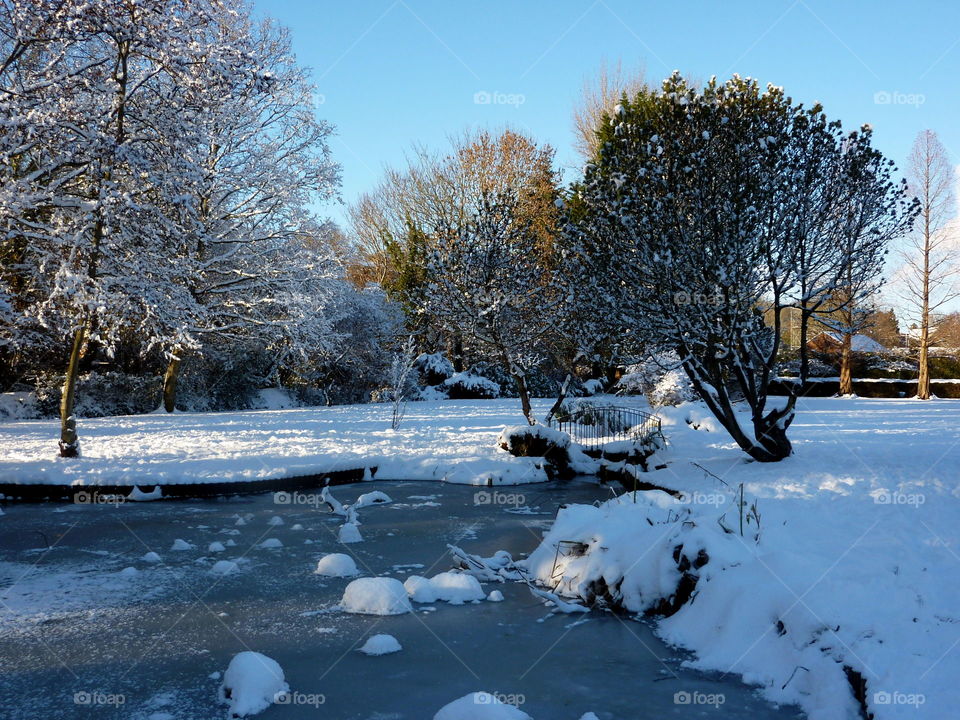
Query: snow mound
column 381, row 645
column 179, row 544
column 372, row 498
column 376, row 596
column 129, row 572
column 270, row 543
column 495, row 596
column 349, row 533
column 480, row 706
column 216, row 546
column 138, row 495
column 275, row 521
column 151, row 557
column 453, row 587
column 337, row 565
column 224, row 567
column 251, row 683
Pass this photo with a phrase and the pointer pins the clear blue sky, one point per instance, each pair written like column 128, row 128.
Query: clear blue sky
column 396, row 72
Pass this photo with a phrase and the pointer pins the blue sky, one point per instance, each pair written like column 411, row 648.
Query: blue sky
column 396, row 72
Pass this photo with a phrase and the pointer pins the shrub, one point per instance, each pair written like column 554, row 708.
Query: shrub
column 470, row 386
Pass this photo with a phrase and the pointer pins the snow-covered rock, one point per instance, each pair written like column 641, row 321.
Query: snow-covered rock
column 480, row 706
column 151, row 557
column 270, row 544
column 216, row 546
column 337, row 565
column 372, row 498
column 495, row 596
column 376, row 596
column 224, row 567
column 251, row 683
column 380, row 645
column 455, row 588
column 179, row 544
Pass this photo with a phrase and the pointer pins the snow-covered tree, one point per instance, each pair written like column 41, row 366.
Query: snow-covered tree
column 105, row 108
column 488, row 280
column 264, row 163
column 693, row 215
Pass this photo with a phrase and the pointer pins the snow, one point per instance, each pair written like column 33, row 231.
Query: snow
column 380, row 645
column 855, row 563
column 224, row 567
column 372, row 498
column 349, row 533
column 151, row 557
column 376, row 596
column 439, row 440
column 495, row 596
column 251, row 683
column 216, row 546
column 270, row 544
column 337, row 565
column 480, row 706
column 455, row 588
column 179, row 544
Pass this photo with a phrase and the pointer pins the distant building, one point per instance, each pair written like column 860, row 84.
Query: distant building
column 833, row 343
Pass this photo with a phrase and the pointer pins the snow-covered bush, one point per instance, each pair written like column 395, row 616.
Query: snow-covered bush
column 18, row 406
column 434, row 368
column 100, row 394
column 470, row 386
column 674, row 388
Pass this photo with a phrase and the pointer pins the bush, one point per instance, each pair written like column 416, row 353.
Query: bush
column 434, row 368
column 101, row 394
column 673, row 389
column 470, row 386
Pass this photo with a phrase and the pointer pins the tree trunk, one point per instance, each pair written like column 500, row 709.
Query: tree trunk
column 564, row 389
column 846, row 365
column 521, row 381
column 69, row 440
column 923, row 375
column 170, row 378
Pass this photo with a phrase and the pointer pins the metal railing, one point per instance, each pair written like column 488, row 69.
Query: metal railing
column 593, row 426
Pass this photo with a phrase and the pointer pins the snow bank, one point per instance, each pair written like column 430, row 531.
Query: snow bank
column 480, row 706
column 337, row 565
column 251, row 684
column 376, row 596
column 455, row 588
column 380, row 645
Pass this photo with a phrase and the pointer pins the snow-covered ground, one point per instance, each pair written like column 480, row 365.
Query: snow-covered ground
column 857, row 563
column 859, row 538
column 438, row 440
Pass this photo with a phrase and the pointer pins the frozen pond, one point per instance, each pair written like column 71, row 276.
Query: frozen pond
column 77, row 637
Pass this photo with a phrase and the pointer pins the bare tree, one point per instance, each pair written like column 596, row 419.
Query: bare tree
column 599, row 94
column 929, row 273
